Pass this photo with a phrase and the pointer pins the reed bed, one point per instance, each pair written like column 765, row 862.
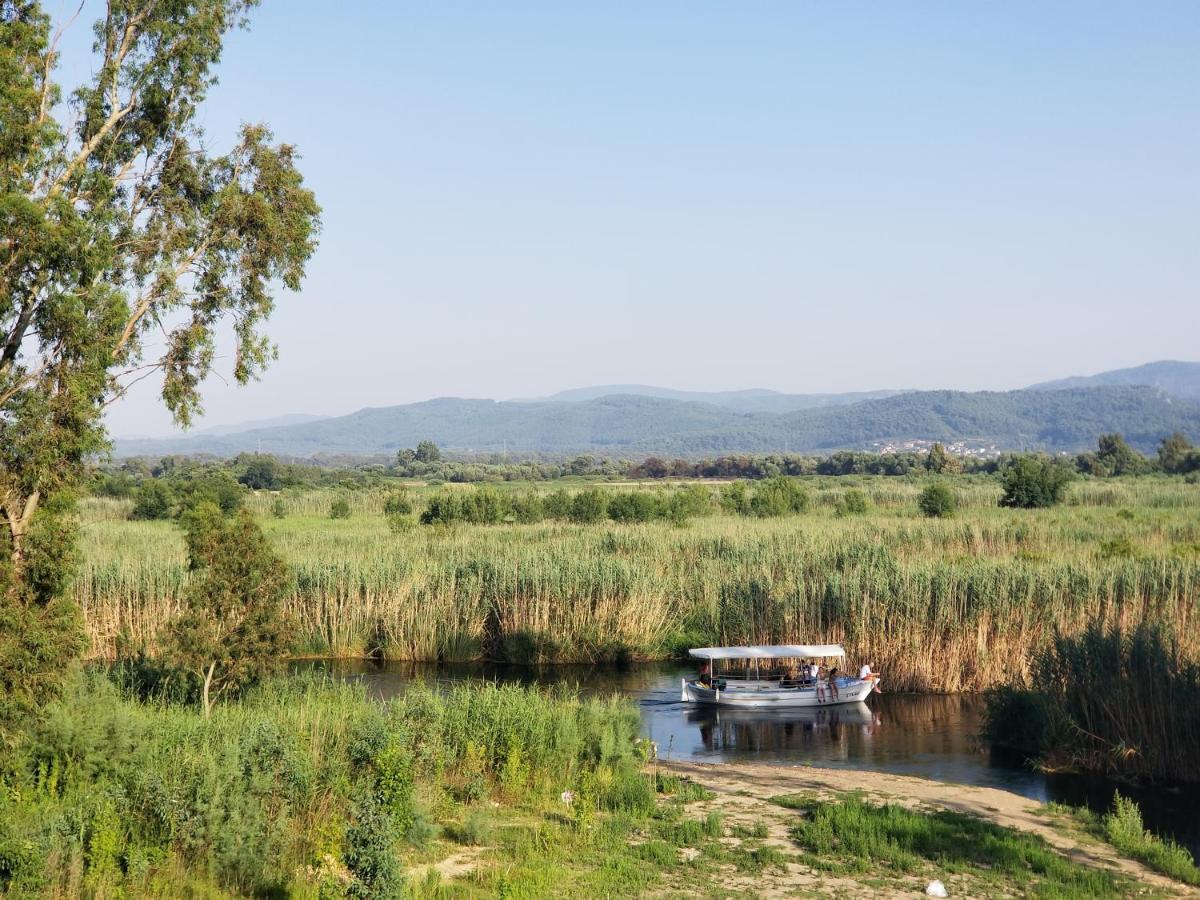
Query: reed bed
column 958, row 604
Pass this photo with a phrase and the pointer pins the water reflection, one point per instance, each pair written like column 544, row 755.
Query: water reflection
column 781, row 731
column 926, row 735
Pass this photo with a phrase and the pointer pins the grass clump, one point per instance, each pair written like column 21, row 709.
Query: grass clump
column 682, row 789
column 1122, row 827
column 855, row 836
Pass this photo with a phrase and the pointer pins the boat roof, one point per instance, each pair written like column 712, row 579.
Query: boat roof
column 768, row 651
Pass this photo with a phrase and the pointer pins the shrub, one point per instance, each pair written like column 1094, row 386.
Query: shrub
column 853, row 503
column 444, row 508
column 153, row 500
column 632, row 506
column 339, row 509
column 397, row 503
column 937, row 501
column 1124, row 830
column 233, row 631
column 589, row 506
column 1034, row 482
column 278, row 509
column 778, row 496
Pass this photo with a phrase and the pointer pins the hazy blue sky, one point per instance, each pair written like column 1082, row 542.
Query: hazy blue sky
column 524, row 197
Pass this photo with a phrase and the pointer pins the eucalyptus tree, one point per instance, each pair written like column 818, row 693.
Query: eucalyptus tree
column 125, row 246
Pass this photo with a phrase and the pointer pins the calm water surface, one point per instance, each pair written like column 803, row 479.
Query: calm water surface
column 927, row 735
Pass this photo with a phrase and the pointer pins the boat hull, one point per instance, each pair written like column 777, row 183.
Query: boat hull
column 769, row 695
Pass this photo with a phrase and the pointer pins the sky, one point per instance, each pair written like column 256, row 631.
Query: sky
column 525, row 197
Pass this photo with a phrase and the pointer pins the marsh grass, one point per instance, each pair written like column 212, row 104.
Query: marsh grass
column 1107, row 699
column 959, row 604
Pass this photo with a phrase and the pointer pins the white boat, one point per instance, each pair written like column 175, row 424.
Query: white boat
column 749, row 687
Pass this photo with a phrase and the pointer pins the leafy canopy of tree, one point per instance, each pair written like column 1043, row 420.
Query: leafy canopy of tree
column 1113, row 456
column 124, row 246
column 1034, row 482
column 1177, row 456
column 233, row 632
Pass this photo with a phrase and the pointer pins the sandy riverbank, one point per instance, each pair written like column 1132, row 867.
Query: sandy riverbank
column 742, row 792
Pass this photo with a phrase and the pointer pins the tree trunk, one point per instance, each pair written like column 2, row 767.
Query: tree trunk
column 204, row 696
column 18, row 514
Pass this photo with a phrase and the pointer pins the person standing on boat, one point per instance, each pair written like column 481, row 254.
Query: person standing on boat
column 833, row 689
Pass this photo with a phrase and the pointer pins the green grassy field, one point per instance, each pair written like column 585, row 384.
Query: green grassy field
column 956, row 604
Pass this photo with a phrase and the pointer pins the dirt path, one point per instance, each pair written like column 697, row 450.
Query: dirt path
column 742, row 791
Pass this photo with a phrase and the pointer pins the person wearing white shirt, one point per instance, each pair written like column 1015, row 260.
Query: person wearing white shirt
column 865, row 672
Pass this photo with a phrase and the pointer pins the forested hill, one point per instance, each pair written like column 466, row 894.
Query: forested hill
column 753, row 400
column 639, row 425
column 1179, row 379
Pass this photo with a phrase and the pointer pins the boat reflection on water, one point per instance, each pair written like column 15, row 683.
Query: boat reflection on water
column 725, row 730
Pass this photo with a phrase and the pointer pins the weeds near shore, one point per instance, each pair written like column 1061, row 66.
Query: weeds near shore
column 851, row 835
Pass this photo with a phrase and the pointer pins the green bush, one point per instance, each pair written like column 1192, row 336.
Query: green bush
column 937, row 501
column 397, row 503
column 589, row 506
column 779, row 496
column 853, row 503
column 153, row 500
column 339, row 509
column 1124, row 830
column 1034, row 482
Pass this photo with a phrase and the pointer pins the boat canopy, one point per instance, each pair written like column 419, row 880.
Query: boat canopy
column 769, row 651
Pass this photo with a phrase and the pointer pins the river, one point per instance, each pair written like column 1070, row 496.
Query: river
column 926, row 735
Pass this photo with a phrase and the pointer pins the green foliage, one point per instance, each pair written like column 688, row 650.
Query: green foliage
column 207, row 485
column 853, row 503
column 278, row 508
column 1033, row 482
column 1144, row 722
column 427, row 452
column 1113, row 457
column 735, row 498
column 864, row 837
column 779, row 496
column 1123, row 828
column 1177, row 456
column 118, row 224
column 937, row 501
column 939, row 462
column 398, row 503
column 261, row 474
column 300, row 785
column 589, row 506
column 233, row 632
column 632, row 506
column 339, row 508
column 154, row 499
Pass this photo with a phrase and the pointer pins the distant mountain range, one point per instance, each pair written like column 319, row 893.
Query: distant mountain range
column 753, row 400
column 638, row 420
column 1179, row 379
